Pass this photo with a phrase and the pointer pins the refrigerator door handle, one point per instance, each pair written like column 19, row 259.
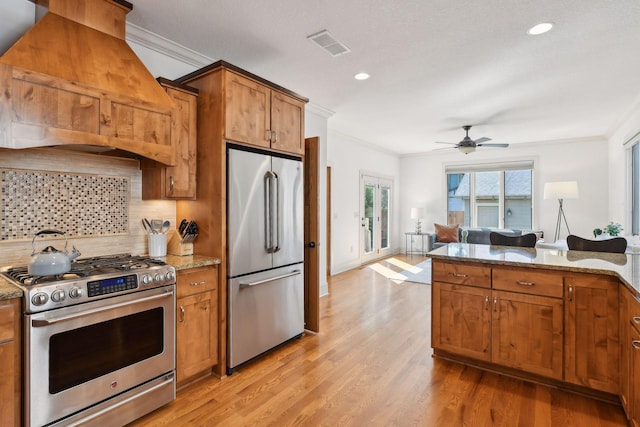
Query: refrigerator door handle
column 270, row 279
column 268, row 220
column 276, row 236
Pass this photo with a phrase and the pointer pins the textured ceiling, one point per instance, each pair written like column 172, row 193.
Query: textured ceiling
column 435, row 65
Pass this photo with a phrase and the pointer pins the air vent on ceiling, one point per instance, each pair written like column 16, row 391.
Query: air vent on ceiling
column 328, row 43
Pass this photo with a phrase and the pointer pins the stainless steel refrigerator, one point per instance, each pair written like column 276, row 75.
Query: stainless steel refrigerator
column 265, row 252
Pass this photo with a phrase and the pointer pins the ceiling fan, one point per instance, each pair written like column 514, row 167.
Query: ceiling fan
column 468, row 145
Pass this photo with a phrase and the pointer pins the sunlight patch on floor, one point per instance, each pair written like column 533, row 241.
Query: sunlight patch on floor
column 388, row 273
column 403, row 265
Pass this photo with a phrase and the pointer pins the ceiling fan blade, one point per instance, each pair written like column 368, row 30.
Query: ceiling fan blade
column 443, row 148
column 450, row 143
column 483, row 139
column 493, row 145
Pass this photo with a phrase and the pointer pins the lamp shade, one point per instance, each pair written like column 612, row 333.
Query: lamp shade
column 417, row 213
column 561, row 190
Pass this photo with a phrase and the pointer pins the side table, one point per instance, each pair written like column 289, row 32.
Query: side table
column 422, row 243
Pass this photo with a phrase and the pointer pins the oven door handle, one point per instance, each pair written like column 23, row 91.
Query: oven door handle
column 47, row 322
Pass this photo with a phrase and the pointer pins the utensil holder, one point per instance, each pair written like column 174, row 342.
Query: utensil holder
column 177, row 247
column 157, row 245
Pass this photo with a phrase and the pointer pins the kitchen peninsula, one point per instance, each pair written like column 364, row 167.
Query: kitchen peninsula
column 563, row 318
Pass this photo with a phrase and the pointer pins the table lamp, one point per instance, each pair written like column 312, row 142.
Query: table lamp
column 417, row 214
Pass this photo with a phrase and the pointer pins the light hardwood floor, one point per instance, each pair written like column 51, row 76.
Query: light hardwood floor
column 372, row 365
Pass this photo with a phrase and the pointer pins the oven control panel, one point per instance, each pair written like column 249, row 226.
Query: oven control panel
column 112, row 285
column 71, row 292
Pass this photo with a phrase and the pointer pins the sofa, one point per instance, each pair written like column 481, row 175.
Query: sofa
column 480, row 235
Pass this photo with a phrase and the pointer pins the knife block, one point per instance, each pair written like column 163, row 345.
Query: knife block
column 177, row 247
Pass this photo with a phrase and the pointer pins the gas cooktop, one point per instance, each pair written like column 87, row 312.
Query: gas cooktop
column 86, row 267
column 90, row 279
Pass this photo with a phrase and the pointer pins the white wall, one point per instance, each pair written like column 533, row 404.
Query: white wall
column 585, row 161
column 348, row 157
column 619, row 209
column 16, row 17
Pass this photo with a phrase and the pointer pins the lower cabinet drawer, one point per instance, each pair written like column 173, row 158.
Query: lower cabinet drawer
column 528, row 281
column 195, row 280
column 461, row 274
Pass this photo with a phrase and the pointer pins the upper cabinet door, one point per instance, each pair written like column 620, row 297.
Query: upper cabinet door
column 180, row 181
column 248, row 111
column 287, row 123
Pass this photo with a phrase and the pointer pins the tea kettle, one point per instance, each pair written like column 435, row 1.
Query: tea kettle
column 51, row 261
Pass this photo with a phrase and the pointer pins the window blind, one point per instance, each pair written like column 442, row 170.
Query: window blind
column 494, row 166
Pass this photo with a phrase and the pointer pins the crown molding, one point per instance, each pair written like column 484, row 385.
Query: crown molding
column 319, row 110
column 361, row 142
column 146, row 38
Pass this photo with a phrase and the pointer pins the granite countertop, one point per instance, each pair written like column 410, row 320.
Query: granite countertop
column 8, row 290
column 190, row 261
column 624, row 266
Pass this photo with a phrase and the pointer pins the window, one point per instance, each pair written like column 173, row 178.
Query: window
column 633, row 155
column 376, row 193
column 493, row 196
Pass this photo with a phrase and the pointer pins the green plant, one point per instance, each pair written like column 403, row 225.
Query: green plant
column 612, row 229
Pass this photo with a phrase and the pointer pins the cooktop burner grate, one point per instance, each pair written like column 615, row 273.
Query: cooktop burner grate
column 86, row 267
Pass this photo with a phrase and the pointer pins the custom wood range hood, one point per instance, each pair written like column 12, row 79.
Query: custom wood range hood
column 73, row 80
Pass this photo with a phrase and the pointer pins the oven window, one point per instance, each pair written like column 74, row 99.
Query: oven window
column 82, row 354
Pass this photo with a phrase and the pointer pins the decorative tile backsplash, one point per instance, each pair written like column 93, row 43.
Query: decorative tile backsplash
column 78, row 204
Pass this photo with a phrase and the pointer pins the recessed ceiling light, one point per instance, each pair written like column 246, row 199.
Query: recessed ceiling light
column 540, row 28
column 361, row 76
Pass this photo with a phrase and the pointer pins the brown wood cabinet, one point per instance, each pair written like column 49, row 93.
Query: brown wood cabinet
column 196, row 323
column 520, row 330
column 10, row 363
column 526, row 333
column 261, row 116
column 179, row 181
column 560, row 325
column 634, row 397
column 461, row 320
column 592, row 331
column 630, row 356
column 625, row 348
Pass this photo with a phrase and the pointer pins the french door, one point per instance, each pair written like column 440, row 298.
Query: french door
column 375, row 217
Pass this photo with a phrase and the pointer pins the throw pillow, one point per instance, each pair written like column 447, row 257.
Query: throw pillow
column 446, row 233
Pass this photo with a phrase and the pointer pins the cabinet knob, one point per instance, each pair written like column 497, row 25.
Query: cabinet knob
column 171, row 183
column 181, row 314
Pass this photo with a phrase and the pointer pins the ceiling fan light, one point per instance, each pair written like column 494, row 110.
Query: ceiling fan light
column 467, row 149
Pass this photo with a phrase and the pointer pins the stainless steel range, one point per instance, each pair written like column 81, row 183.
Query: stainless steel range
column 99, row 341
